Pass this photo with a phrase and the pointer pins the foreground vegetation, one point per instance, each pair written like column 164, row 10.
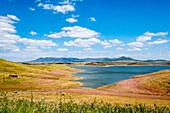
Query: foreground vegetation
column 61, row 106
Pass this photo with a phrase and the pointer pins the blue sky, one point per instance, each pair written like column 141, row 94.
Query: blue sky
column 30, row 29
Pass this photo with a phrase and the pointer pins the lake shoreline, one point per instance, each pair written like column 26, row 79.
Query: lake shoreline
column 86, row 74
column 114, row 65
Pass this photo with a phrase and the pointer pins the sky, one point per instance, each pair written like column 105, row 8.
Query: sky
column 30, row 29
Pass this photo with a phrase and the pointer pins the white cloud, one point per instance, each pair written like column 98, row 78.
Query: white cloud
column 83, row 43
column 155, row 34
column 38, row 43
column 119, row 48
column 148, row 36
column 65, row 2
column 111, row 43
column 136, row 44
column 75, row 32
column 33, row 33
column 58, row 8
column 159, row 41
column 88, row 49
column 32, row 49
column 10, row 41
column 13, row 17
column 31, row 9
column 92, row 19
column 72, row 19
column 142, row 40
column 116, row 42
column 134, row 49
column 62, row 49
column 106, row 44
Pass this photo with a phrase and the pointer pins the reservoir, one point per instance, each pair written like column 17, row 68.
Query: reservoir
column 94, row 76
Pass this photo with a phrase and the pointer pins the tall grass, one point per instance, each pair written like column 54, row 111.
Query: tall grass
column 60, row 106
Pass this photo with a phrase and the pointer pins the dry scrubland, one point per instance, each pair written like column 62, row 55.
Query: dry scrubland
column 54, row 83
column 152, row 85
column 38, row 77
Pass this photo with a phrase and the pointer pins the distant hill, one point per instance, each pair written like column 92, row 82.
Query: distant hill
column 159, row 60
column 57, row 60
column 123, row 58
column 72, row 60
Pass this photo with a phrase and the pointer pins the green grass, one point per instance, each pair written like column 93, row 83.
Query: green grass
column 61, row 106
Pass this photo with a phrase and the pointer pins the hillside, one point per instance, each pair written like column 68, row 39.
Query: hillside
column 154, row 84
column 35, row 76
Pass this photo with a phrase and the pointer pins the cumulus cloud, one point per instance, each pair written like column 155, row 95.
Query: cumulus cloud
column 62, row 49
column 33, row 33
column 136, row 44
column 37, row 43
column 72, row 19
column 92, row 41
column 148, row 36
column 134, row 49
column 32, row 49
column 58, row 8
column 10, row 41
column 82, row 43
column 159, row 41
column 106, row 44
column 142, row 40
column 92, row 19
column 155, row 34
column 75, row 32
column 116, row 41
column 13, row 17
column 111, row 43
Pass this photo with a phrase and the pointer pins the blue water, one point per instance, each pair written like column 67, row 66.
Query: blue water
column 94, row 77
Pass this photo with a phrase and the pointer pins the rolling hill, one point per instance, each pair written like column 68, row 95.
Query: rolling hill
column 35, row 76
